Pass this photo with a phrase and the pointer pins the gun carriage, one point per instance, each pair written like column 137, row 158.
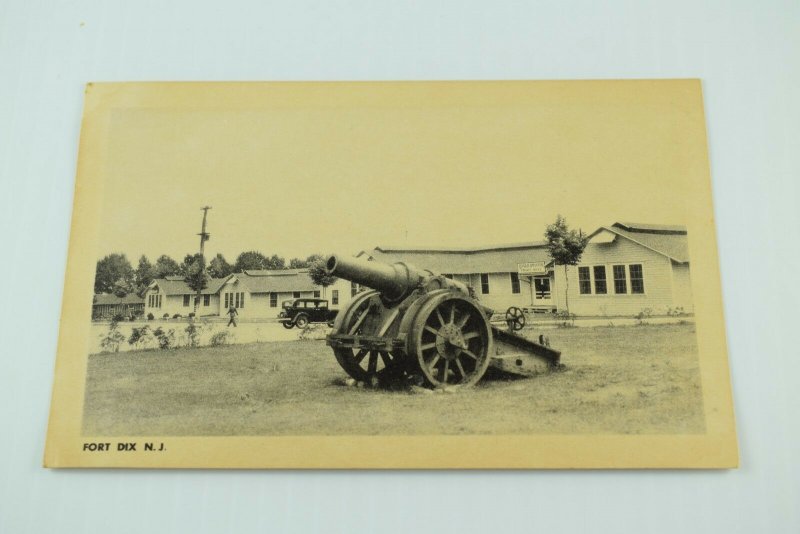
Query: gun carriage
column 414, row 321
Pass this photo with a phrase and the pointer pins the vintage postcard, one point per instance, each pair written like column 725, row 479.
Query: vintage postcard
column 393, row 275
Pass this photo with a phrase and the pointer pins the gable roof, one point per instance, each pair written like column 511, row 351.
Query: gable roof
column 176, row 285
column 669, row 240
column 274, row 272
column 286, row 281
column 488, row 259
column 111, row 299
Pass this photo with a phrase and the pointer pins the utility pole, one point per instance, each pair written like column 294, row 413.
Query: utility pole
column 204, row 236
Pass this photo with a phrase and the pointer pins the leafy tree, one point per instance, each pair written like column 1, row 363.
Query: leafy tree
column 319, row 275
column 196, row 277
column 276, row 263
column 297, row 263
column 565, row 247
column 186, row 265
column 113, row 272
column 218, row 267
column 165, row 266
column 250, row 260
column 144, row 274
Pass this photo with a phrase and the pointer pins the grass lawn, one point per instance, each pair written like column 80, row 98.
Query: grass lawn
column 618, row 380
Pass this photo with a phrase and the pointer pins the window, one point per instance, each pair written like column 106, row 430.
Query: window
column 236, row 300
column 620, row 283
column 335, row 297
column 485, row 284
column 353, row 289
column 316, row 294
column 584, row 283
column 637, row 278
column 227, row 300
column 515, row 283
column 206, row 300
column 186, row 301
column 273, row 300
column 241, row 300
column 600, row 287
column 296, row 295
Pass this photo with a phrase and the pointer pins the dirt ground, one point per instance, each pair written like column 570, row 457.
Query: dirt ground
column 618, row 380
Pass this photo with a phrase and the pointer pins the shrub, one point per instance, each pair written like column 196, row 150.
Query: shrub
column 676, row 312
column 220, row 338
column 165, row 316
column 166, row 340
column 177, row 316
column 113, row 338
column 117, row 318
column 643, row 316
column 565, row 318
column 193, row 334
column 191, row 315
column 150, row 316
column 141, row 337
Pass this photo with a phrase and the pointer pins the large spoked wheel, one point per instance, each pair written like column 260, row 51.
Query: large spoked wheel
column 362, row 364
column 515, row 318
column 451, row 341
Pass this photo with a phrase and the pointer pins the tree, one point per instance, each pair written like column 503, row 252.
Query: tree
column 186, row 265
column 565, row 247
column 196, row 277
column 276, row 263
column 316, row 270
column 297, row 263
column 219, row 267
column 250, row 260
column 165, row 266
column 113, row 274
column 144, row 274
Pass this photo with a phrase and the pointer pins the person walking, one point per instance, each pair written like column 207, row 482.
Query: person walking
column 233, row 313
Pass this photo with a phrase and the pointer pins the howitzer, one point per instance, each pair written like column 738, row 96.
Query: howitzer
column 416, row 322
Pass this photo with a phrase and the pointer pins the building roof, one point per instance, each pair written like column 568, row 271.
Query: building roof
column 494, row 259
column 274, row 272
column 111, row 299
column 176, row 285
column 670, row 240
column 286, row 281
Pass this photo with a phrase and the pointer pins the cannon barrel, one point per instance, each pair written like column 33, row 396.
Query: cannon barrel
column 394, row 281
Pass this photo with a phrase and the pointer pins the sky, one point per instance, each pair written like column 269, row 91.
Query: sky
column 296, row 169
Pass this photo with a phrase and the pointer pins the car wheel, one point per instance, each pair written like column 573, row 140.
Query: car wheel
column 288, row 325
column 301, row 321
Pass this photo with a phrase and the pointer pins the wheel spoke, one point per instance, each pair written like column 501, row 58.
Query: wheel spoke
column 432, row 330
column 463, row 320
column 439, row 316
column 427, row 346
column 453, row 313
column 445, row 370
column 360, row 356
column 469, row 353
column 460, row 368
column 434, row 361
column 470, row 335
column 373, row 362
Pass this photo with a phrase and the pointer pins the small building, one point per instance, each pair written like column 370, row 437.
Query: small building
column 254, row 294
column 106, row 306
column 518, row 274
column 625, row 269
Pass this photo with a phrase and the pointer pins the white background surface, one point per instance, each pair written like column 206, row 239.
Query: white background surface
column 748, row 55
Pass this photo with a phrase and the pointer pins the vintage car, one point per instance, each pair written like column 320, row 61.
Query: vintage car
column 300, row 312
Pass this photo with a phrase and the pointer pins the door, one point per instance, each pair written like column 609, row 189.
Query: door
column 542, row 293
